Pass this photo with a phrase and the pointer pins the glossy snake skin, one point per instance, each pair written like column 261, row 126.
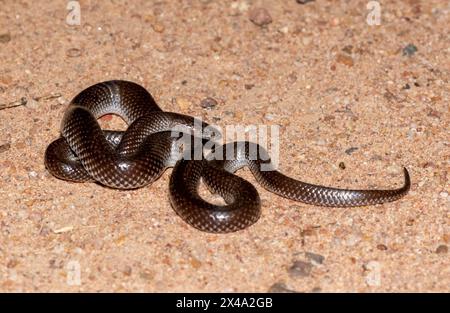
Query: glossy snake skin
column 138, row 156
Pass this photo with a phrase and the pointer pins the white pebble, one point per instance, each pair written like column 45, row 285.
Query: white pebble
column 269, row 117
column 373, row 277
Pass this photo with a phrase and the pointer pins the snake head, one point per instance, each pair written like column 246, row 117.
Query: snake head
column 193, row 126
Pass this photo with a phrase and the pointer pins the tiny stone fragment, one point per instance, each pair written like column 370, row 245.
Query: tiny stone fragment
column 314, row 257
column 260, row 16
column 351, row 150
column 12, row 263
column 342, row 165
column 280, row 288
column 381, row 247
column 409, row 50
column 127, row 270
column 73, row 53
column 344, row 59
column 348, row 49
column 304, row 1
column 4, row 38
column 158, row 27
column 5, row 147
column 208, row 103
column 442, row 249
column 300, row 269
column 373, row 273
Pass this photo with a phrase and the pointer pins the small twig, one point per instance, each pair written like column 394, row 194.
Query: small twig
column 47, row 97
column 22, row 101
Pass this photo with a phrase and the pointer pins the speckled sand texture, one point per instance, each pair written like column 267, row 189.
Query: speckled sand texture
column 354, row 102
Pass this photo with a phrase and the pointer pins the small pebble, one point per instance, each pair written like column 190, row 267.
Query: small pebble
column 300, row 269
column 73, row 53
column 183, row 103
column 32, row 104
column 61, row 100
column 284, row 29
column 344, row 59
column 5, row 147
column 381, row 247
column 304, row 1
column 373, row 273
column 274, row 99
column 442, row 249
column 158, row 27
column 280, row 288
column 351, row 150
column 208, row 103
column 409, row 50
column 348, row 49
column 260, row 16
column 269, row 117
column 292, row 78
column 443, row 194
column 4, row 38
column 342, row 165
column 32, row 174
column 147, row 275
column 12, row 263
column 127, row 270
column 315, row 258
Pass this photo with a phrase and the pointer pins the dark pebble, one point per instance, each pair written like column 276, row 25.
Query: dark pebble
column 317, row 258
column 280, row 288
column 5, row 147
column 300, row 269
column 304, row 1
column 4, row 38
column 208, row 103
column 342, row 165
column 260, row 16
column 73, row 53
column 442, row 249
column 409, row 50
column 348, row 49
column 351, row 150
column 249, row 86
column 407, row 86
column 381, row 247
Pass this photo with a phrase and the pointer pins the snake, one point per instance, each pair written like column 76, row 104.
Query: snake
column 139, row 155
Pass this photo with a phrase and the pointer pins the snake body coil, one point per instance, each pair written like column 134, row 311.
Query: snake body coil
column 138, row 156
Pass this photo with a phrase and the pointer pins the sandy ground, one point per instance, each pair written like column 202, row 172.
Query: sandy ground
column 375, row 98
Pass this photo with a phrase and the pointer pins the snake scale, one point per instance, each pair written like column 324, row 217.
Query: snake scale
column 138, row 156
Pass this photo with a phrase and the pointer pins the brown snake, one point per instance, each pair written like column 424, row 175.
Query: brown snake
column 138, row 156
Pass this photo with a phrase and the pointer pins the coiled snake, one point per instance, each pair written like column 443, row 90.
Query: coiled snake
column 138, row 156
